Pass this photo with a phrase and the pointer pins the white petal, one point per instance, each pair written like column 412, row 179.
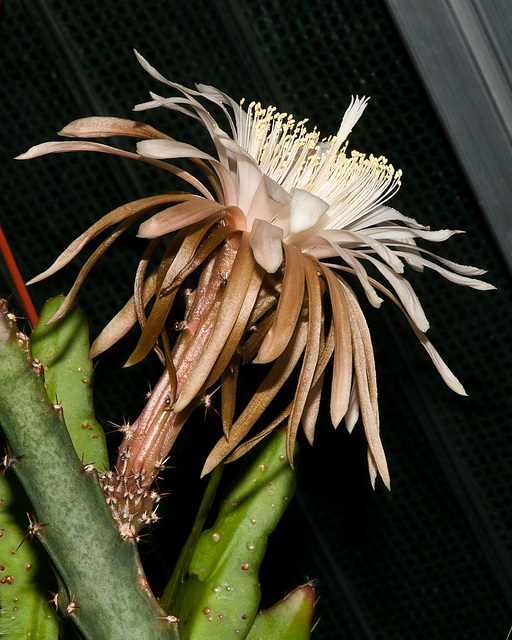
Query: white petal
column 383, row 214
column 405, row 292
column 266, row 244
column 166, row 149
column 352, row 115
column 455, row 277
column 277, row 192
column 305, row 210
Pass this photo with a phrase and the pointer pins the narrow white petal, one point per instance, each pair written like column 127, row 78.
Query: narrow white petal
column 405, row 292
column 352, row 115
column 455, row 277
column 167, row 149
column 382, row 214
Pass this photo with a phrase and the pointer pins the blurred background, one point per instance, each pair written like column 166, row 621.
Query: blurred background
column 432, row 558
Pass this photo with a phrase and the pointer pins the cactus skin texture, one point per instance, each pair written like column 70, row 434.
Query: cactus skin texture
column 105, row 591
column 63, row 349
column 221, row 597
column 25, row 577
column 289, row 619
column 26, row 580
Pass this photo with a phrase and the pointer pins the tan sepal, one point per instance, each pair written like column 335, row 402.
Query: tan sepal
column 264, row 395
column 111, row 218
column 311, row 354
column 189, row 241
column 342, row 368
column 105, row 127
column 249, row 444
column 205, row 249
column 231, row 304
column 364, row 366
column 288, row 307
column 228, row 393
column 312, row 406
column 240, row 326
column 124, row 320
column 181, row 215
column 259, row 331
column 89, row 264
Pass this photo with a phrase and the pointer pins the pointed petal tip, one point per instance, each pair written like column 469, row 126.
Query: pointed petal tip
column 93, row 352
column 24, row 156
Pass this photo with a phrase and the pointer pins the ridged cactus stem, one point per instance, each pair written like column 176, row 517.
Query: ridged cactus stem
column 106, row 592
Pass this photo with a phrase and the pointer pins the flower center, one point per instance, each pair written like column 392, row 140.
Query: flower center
column 298, row 159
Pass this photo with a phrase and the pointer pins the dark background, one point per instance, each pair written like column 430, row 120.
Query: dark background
column 432, row 558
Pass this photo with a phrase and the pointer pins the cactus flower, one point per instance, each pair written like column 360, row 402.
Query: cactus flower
column 282, row 226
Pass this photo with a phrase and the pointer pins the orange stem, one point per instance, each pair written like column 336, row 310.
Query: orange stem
column 25, row 298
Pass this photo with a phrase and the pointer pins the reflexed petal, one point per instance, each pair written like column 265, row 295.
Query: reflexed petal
column 405, row 292
column 167, row 149
column 66, row 146
column 445, row 372
column 170, row 149
column 376, row 216
column 456, row 277
column 352, row 114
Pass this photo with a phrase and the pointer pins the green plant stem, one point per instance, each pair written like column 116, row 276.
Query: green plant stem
column 171, row 598
column 106, row 593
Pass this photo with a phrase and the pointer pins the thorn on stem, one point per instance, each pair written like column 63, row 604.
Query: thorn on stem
column 34, row 529
column 9, row 461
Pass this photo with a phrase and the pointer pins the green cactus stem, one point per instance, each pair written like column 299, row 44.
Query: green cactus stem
column 106, row 593
column 63, row 349
column 222, row 594
column 289, row 619
column 25, row 577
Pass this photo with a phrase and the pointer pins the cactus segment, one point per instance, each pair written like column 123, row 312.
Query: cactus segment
column 63, row 349
column 222, row 595
column 289, row 619
column 107, row 595
column 25, row 577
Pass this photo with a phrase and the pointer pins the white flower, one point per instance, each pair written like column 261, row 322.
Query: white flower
column 297, row 200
